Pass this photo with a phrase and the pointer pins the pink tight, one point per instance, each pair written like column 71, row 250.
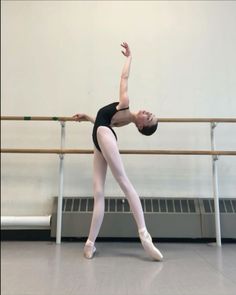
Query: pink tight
column 110, row 156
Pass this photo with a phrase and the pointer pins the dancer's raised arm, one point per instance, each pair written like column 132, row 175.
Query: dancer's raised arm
column 124, row 98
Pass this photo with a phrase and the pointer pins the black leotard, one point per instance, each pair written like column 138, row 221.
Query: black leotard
column 104, row 117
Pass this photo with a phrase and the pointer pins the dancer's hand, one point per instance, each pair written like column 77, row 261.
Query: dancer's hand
column 127, row 51
column 80, row 117
column 83, row 117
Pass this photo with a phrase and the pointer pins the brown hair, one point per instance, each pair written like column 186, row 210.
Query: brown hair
column 148, row 130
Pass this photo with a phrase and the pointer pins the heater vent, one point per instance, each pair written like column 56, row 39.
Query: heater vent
column 118, row 205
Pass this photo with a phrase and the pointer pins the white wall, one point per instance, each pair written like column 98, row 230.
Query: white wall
column 63, row 57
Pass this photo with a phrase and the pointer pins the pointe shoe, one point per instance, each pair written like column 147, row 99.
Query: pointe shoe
column 89, row 251
column 149, row 247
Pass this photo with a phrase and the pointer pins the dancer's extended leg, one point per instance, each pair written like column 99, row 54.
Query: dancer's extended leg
column 108, row 145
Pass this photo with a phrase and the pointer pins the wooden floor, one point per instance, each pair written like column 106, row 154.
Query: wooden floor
column 44, row 268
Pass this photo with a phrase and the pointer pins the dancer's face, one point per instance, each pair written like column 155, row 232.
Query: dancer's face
column 146, row 119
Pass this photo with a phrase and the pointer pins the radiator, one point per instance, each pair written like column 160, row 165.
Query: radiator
column 165, row 217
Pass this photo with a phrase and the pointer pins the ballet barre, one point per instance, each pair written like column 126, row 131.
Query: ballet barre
column 125, row 152
column 161, row 120
column 62, row 151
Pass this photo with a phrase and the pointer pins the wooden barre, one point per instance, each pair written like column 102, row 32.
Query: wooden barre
column 161, row 120
column 127, row 152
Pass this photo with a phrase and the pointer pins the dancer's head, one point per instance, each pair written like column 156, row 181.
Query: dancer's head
column 146, row 122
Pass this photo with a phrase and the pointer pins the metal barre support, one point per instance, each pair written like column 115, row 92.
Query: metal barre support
column 215, row 186
column 61, row 186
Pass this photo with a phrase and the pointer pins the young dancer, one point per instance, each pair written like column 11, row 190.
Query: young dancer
column 106, row 152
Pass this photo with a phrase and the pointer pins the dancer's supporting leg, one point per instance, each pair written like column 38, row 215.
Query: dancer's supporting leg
column 99, row 176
